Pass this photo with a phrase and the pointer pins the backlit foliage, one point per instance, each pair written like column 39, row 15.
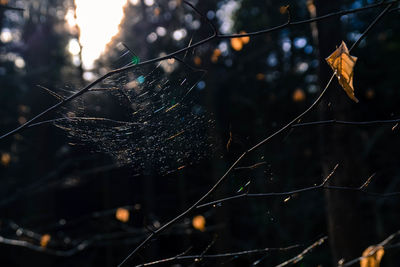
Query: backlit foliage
column 343, row 65
column 372, row 256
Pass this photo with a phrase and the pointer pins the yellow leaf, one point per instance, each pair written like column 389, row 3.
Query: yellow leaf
column 343, row 64
column 199, row 222
column 298, row 95
column 236, row 44
column 284, row 9
column 311, row 7
column 372, row 256
column 5, row 159
column 44, row 240
column 197, row 60
column 244, row 39
column 122, row 215
column 215, row 55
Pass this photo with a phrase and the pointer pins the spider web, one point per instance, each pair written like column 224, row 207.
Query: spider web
column 149, row 117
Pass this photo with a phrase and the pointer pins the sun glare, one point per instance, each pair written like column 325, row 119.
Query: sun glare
column 98, row 22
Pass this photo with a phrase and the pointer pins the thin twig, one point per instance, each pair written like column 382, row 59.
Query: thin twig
column 367, row 182
column 373, row 23
column 304, row 252
column 222, row 255
column 177, row 257
column 51, row 92
column 375, row 122
column 252, row 167
column 394, row 9
column 206, row 249
column 273, row 194
column 321, row 186
column 96, row 119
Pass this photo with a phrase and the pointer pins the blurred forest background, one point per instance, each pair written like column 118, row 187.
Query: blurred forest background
column 84, row 192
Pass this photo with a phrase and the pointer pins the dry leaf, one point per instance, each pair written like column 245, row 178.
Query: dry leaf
column 197, row 60
column 298, row 95
column 215, row 55
column 343, row 65
column 236, row 44
column 122, row 214
column 44, row 240
column 284, row 9
column 199, row 223
column 372, row 256
column 5, row 159
column 244, row 39
column 181, row 167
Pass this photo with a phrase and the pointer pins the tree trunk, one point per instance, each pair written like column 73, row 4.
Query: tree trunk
column 343, row 216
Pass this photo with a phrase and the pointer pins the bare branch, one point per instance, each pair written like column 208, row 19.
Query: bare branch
column 222, row 255
column 273, row 194
column 376, row 122
column 321, row 186
column 394, row 9
column 376, row 20
column 177, row 257
column 252, row 167
column 206, row 249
